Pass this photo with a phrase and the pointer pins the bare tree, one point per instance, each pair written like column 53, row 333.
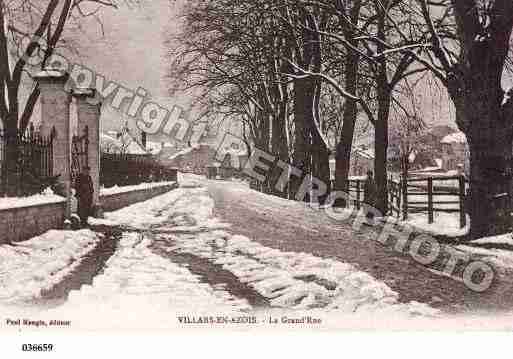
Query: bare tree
column 30, row 30
column 472, row 69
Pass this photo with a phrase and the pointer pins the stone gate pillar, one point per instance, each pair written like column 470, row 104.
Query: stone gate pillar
column 88, row 111
column 55, row 112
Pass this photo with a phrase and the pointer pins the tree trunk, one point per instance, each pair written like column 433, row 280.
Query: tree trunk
column 321, row 163
column 485, row 116
column 380, row 152
column 303, row 118
column 279, row 143
column 263, row 142
column 344, row 147
column 490, row 176
column 279, row 147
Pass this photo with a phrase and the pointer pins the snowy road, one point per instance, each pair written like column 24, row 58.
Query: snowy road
column 176, row 257
column 291, row 226
column 218, row 248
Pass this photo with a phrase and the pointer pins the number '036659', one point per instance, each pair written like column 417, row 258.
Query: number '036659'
column 37, row 347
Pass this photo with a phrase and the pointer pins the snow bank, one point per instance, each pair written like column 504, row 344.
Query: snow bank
column 502, row 259
column 445, row 224
column 502, row 239
column 123, row 189
column 47, row 197
column 28, row 267
column 155, row 211
column 182, row 152
column 299, row 281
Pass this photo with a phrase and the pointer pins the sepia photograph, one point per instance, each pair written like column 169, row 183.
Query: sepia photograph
column 267, row 167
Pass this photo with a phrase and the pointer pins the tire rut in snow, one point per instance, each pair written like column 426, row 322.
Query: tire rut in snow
column 214, row 275
column 90, row 266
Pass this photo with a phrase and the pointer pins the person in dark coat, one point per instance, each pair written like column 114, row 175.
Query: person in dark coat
column 84, row 192
column 369, row 193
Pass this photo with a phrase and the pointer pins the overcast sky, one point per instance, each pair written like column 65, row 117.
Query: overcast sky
column 130, row 51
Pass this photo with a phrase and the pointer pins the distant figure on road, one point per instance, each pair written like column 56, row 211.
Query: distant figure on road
column 369, row 193
column 84, row 190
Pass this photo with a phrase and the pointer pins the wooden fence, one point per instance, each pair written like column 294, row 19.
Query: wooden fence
column 428, row 195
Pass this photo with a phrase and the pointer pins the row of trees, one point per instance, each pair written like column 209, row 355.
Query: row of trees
column 301, row 76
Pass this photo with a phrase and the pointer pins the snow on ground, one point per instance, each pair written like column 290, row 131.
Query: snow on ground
column 141, row 215
column 140, row 289
column 148, row 214
column 286, row 279
column 29, row 267
column 123, row 189
column 502, row 239
column 445, row 224
column 46, row 197
column 184, row 218
column 502, row 258
column 136, row 279
column 297, row 280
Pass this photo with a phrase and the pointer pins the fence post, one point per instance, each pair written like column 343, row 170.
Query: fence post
column 404, row 188
column 398, row 198
column 430, row 200
column 463, row 215
column 358, row 194
column 390, row 196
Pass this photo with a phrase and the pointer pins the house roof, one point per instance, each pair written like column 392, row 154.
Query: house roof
column 126, row 144
column 182, row 152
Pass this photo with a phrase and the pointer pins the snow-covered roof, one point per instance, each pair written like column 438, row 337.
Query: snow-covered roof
column 182, row 152
column 126, row 144
column 109, row 143
column 134, row 148
column 153, row 147
column 456, row 137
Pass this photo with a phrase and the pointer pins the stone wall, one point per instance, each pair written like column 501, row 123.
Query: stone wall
column 116, row 201
column 19, row 224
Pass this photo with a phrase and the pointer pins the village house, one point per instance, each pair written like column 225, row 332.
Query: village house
column 362, row 161
column 114, row 142
column 198, row 158
column 454, row 152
